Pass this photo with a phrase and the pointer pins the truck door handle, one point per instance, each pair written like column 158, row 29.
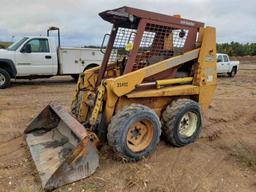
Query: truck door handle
column 48, row 57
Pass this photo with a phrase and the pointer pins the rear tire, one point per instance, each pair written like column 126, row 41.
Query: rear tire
column 182, row 122
column 75, row 77
column 134, row 132
column 90, row 66
column 232, row 73
column 5, row 79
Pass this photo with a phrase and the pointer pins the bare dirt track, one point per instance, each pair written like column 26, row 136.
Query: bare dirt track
column 223, row 159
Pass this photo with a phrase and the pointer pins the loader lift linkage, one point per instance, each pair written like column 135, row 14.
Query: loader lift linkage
column 158, row 76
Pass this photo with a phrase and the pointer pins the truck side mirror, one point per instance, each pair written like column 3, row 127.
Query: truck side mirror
column 26, row 49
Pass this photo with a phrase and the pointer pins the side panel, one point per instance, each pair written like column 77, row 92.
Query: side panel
column 155, row 103
column 73, row 61
column 69, row 61
column 89, row 56
column 205, row 72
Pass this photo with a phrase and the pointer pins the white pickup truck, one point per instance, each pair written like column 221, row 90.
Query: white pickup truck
column 38, row 56
column 225, row 66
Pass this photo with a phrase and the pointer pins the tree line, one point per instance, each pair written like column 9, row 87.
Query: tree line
column 232, row 49
column 237, row 49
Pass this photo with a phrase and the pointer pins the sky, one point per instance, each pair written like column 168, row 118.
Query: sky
column 80, row 24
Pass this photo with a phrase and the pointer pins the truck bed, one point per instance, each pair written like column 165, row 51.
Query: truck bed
column 75, row 60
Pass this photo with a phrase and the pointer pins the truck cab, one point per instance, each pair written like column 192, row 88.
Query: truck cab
column 34, row 55
column 39, row 56
column 225, row 66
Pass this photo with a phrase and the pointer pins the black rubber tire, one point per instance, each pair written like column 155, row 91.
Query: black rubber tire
column 90, row 66
column 120, row 124
column 171, row 118
column 75, row 77
column 232, row 73
column 7, row 82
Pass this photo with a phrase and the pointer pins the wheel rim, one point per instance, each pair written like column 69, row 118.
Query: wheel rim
column 2, row 79
column 188, row 124
column 140, row 135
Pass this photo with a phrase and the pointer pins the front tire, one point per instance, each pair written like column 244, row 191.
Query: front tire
column 182, row 122
column 5, row 79
column 134, row 132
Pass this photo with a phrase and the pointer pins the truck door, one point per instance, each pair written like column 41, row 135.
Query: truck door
column 39, row 61
column 220, row 64
column 226, row 64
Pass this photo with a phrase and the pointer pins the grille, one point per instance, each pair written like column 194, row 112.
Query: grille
column 158, row 43
column 123, row 37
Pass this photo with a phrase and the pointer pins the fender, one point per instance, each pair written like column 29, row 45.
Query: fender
column 9, row 66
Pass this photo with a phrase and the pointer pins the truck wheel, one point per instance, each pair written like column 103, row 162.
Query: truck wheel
column 5, row 79
column 134, row 132
column 90, row 66
column 182, row 122
column 232, row 73
column 75, row 77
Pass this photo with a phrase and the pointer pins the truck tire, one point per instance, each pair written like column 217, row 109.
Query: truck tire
column 5, row 79
column 134, row 132
column 75, row 77
column 182, row 122
column 92, row 65
column 233, row 72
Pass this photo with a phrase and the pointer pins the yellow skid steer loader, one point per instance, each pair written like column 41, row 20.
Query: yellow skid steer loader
column 157, row 77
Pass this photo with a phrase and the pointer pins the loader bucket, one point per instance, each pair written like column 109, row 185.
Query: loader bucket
column 62, row 150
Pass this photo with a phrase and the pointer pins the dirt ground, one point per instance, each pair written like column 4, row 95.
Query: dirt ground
column 223, row 159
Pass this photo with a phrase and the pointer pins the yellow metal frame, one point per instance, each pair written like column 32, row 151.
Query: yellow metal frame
column 122, row 90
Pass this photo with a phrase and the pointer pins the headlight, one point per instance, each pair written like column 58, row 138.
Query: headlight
column 131, row 18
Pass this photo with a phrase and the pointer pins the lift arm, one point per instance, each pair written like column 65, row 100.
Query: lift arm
column 126, row 83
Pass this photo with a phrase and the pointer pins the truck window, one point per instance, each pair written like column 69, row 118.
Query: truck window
column 39, row 45
column 225, row 58
column 220, row 58
column 16, row 45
